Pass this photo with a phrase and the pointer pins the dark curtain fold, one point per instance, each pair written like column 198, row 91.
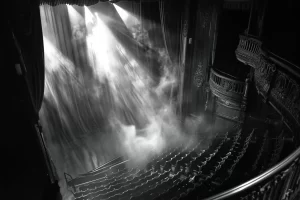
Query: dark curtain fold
column 204, row 17
column 171, row 26
column 72, row 2
column 170, row 16
column 26, row 31
column 85, row 2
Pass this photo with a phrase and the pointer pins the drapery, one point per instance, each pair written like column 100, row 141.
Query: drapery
column 24, row 27
column 86, row 2
column 200, row 54
column 111, row 81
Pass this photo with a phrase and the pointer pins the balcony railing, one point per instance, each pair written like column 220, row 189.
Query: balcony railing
column 226, row 87
column 248, row 50
column 231, row 96
column 277, row 80
column 280, row 182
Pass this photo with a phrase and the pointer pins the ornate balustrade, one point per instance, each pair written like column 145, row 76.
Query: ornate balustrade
column 263, row 74
column 276, row 79
column 248, row 50
column 225, row 87
column 278, row 82
column 285, row 96
column 281, row 89
column 280, row 182
column 231, row 96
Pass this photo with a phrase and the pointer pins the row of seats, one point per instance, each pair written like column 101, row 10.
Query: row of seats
column 260, row 157
column 175, row 156
column 178, row 173
column 277, row 149
column 237, row 153
column 204, row 183
column 186, row 182
column 112, row 181
column 203, row 179
column 103, row 175
column 172, row 154
column 161, row 188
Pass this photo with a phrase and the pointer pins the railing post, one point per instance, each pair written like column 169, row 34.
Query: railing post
column 273, row 74
column 48, row 161
column 207, row 97
column 69, row 178
column 246, row 89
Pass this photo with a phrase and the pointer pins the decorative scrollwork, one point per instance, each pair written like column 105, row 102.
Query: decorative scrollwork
column 227, row 85
column 286, row 92
column 226, row 88
column 264, row 73
column 199, row 76
column 248, row 51
column 185, row 28
column 205, row 16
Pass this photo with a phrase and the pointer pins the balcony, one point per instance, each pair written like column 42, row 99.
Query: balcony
column 248, row 50
column 276, row 79
column 230, row 93
column 226, row 87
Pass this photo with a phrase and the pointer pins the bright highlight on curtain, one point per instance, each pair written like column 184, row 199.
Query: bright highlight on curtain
column 105, row 95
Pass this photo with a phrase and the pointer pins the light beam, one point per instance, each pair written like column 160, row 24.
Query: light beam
column 129, row 19
column 75, row 18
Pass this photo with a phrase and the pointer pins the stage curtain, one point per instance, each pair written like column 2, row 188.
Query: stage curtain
column 84, row 107
column 85, row 2
column 200, row 54
column 27, row 45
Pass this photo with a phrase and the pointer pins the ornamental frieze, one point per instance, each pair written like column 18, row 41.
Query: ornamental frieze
column 205, row 16
column 286, row 92
column 248, row 51
column 199, row 76
column 269, row 78
column 227, row 89
column 263, row 74
column 185, row 28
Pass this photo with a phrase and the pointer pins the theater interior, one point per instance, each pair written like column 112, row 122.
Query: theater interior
column 151, row 99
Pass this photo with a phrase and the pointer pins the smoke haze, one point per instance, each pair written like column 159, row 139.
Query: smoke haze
column 107, row 101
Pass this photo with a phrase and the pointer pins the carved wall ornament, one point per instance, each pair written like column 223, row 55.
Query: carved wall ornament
column 199, row 76
column 249, row 51
column 227, row 85
column 227, row 103
column 295, row 93
column 205, row 17
column 286, row 93
column 264, row 73
column 185, row 28
column 243, row 43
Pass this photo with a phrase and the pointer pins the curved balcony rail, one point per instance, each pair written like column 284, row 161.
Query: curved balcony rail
column 226, row 87
column 248, row 50
column 279, row 182
column 276, row 79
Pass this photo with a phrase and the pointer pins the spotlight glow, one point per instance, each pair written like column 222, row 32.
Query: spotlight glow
column 128, row 18
column 100, row 46
column 112, row 104
column 75, row 17
column 123, row 13
column 54, row 59
column 89, row 17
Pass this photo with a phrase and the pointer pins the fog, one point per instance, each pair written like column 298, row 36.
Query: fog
column 106, row 101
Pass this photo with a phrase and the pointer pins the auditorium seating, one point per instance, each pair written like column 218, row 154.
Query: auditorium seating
column 180, row 172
